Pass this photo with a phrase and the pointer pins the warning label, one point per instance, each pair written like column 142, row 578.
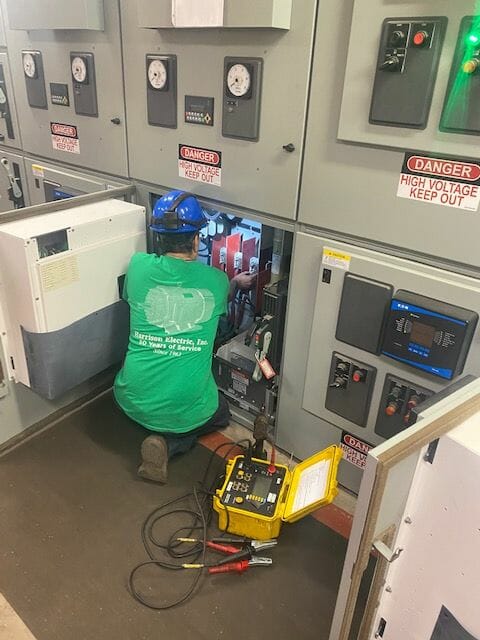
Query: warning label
column 201, row 165
column 337, row 259
column 65, row 137
column 447, row 182
column 354, row 450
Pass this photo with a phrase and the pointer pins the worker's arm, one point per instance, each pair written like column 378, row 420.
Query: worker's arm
column 243, row 282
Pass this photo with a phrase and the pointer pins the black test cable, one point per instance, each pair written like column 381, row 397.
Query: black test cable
column 171, row 548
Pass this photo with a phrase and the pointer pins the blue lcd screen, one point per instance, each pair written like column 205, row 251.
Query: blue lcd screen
column 429, row 339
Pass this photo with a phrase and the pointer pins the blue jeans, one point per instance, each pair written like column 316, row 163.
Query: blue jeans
column 182, row 442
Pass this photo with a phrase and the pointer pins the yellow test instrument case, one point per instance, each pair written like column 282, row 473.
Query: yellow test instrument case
column 256, row 497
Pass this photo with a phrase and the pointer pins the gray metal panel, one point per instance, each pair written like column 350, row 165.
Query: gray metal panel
column 352, row 189
column 261, row 175
column 3, row 37
column 102, row 142
column 38, row 172
column 16, row 162
column 310, row 341
column 55, row 14
column 89, row 346
column 8, row 141
column 247, row 13
column 362, row 57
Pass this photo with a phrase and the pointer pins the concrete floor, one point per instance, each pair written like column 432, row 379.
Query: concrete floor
column 72, row 508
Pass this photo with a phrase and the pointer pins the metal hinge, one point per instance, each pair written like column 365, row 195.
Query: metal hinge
column 431, row 451
column 386, row 552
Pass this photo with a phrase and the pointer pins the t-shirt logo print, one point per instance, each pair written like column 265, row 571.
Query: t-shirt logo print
column 177, row 310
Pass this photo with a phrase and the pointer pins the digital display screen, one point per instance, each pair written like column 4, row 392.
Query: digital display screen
column 422, row 334
column 261, row 488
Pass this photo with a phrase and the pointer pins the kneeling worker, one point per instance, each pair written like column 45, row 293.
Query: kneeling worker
column 166, row 383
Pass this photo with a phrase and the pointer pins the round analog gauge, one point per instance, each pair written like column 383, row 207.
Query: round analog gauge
column 238, row 80
column 29, row 65
column 157, row 74
column 79, row 69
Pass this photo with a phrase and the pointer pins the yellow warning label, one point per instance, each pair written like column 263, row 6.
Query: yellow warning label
column 59, row 273
column 37, row 170
column 336, row 259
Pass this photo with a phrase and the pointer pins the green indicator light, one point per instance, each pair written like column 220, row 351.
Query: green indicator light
column 473, row 38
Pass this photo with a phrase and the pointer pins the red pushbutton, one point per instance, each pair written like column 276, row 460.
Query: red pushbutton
column 391, row 410
column 358, row 376
column 420, row 38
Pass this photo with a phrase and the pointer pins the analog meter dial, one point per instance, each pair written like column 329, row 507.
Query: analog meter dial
column 79, row 69
column 29, row 66
column 239, row 80
column 157, row 74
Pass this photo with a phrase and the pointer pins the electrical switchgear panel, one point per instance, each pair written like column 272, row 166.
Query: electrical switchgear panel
column 162, row 90
column 84, row 83
column 34, row 79
column 350, row 386
column 407, row 66
column 460, row 111
column 399, row 399
column 241, row 99
column 430, row 335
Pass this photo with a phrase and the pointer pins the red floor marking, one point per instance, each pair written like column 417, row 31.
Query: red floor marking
column 331, row 516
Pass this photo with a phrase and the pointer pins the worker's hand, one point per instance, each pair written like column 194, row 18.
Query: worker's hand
column 245, row 281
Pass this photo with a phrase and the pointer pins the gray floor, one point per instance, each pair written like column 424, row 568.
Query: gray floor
column 71, row 509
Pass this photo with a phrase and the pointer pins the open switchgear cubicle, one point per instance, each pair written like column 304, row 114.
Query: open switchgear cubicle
column 252, row 331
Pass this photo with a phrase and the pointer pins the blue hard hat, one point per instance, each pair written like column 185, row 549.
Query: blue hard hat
column 177, row 212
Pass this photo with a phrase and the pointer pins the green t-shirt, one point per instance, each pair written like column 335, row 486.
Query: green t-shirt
column 166, row 383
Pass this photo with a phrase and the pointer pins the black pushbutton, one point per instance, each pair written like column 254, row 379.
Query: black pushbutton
column 398, row 37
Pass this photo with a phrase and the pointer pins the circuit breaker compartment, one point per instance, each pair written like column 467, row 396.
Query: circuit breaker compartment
column 407, row 66
column 350, row 386
column 399, row 399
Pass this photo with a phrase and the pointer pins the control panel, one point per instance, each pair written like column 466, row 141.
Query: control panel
column 254, row 486
column 34, row 79
column 460, row 113
column 407, row 66
column 162, row 90
column 84, row 83
column 241, row 99
column 350, row 387
column 399, row 399
column 428, row 334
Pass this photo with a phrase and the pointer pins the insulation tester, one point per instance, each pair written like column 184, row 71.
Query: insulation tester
column 257, row 496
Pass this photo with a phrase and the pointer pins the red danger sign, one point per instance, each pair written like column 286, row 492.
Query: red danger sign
column 67, row 130
column 443, row 181
column 354, row 450
column 202, row 156
column 444, row 168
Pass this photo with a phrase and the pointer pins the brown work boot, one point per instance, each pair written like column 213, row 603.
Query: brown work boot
column 154, row 459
